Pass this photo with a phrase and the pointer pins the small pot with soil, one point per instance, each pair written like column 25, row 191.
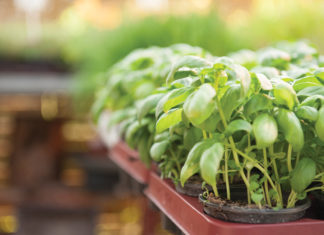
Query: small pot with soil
column 193, row 187
column 240, row 212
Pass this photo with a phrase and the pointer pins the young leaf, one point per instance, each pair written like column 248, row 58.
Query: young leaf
column 158, row 149
column 160, row 105
column 176, row 97
column 265, row 130
column 210, row 124
column 319, row 125
column 238, row 125
column 307, row 113
column 191, row 165
column 304, row 82
column 209, row 163
column 244, row 77
column 319, row 74
column 284, row 94
column 99, row 104
column 257, row 103
column 199, row 105
column 314, row 101
column 303, row 174
column 231, row 100
column 168, row 119
column 264, row 82
column 187, row 61
column 147, row 104
column 313, row 90
column 291, row 128
column 191, row 137
column 144, row 145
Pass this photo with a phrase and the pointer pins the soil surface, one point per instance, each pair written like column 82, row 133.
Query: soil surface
column 224, row 202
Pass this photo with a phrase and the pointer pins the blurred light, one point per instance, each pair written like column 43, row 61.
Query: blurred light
column 8, row 224
column 31, row 6
column 73, row 177
column 49, row 106
column 78, row 132
column 155, row 5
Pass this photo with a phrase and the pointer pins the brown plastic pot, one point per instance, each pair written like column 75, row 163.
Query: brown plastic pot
column 242, row 214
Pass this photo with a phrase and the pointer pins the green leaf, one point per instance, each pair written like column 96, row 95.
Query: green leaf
column 256, row 197
column 177, row 97
column 209, row 163
column 160, row 105
column 265, row 130
column 131, row 131
column 319, row 74
column 310, row 91
column 237, row 125
column 290, row 126
column 158, row 149
column 199, row 105
column 144, row 145
column 231, row 100
column 264, row 82
column 168, row 119
column 191, row 137
column 146, row 105
column 307, row 113
column 319, row 125
column 314, row 101
column 119, row 116
column 245, row 79
column 303, row 174
column 284, row 94
column 210, row 124
column 187, row 61
column 257, row 103
column 304, row 82
column 191, row 165
column 99, row 104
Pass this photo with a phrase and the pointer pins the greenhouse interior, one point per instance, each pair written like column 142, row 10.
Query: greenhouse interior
column 159, row 117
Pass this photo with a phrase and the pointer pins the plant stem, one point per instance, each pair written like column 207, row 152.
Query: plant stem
column 314, row 188
column 176, row 161
column 228, row 192
column 265, row 160
column 275, row 169
column 248, row 193
column 319, row 175
column 292, row 199
column 297, row 158
column 249, row 140
column 289, row 158
column 204, row 134
column 232, row 143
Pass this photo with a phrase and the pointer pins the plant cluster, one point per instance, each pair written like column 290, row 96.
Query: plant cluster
column 257, row 116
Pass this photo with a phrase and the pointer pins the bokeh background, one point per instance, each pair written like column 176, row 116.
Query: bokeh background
column 54, row 173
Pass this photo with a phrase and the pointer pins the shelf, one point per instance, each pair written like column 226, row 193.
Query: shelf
column 129, row 161
column 187, row 213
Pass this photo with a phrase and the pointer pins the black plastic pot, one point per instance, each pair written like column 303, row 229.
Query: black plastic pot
column 253, row 215
column 192, row 187
column 318, row 201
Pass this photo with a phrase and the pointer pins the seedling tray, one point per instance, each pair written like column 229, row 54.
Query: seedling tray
column 187, row 213
column 128, row 160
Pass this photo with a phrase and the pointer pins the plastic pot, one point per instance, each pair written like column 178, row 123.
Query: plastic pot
column 318, row 201
column 192, row 187
column 241, row 214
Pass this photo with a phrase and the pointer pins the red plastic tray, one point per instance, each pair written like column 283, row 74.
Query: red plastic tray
column 187, row 213
column 129, row 161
